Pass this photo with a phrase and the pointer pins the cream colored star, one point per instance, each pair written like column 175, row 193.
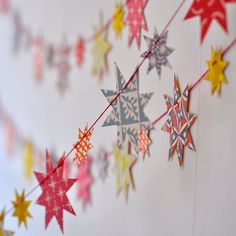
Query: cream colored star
column 101, row 48
column 216, row 67
column 124, row 163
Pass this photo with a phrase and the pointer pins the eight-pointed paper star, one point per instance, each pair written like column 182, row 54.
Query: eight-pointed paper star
column 179, row 122
column 216, row 67
column 54, row 187
column 209, row 11
column 84, row 182
column 102, row 164
column 135, row 19
column 21, row 208
column 118, row 23
column 128, row 110
column 157, row 52
column 124, row 163
column 2, row 231
column 100, row 50
column 83, row 145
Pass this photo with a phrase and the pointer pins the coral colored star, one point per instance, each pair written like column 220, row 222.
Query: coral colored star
column 135, row 19
column 216, row 67
column 84, row 182
column 143, row 141
column 179, row 122
column 118, row 22
column 79, row 51
column 54, row 187
column 21, row 208
column 83, row 145
column 209, row 10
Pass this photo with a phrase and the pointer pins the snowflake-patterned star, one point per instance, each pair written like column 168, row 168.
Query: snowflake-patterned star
column 128, row 110
column 157, row 52
column 179, row 122
column 54, row 187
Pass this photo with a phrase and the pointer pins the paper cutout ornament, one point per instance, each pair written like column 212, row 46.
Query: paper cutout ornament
column 118, row 22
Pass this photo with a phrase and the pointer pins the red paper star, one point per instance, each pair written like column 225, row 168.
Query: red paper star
column 83, row 145
column 79, row 52
column 208, row 10
column 135, row 19
column 54, row 188
column 84, row 182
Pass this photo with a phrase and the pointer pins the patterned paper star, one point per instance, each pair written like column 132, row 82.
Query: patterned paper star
column 118, row 22
column 102, row 164
column 124, row 163
column 84, row 183
column 143, row 141
column 157, row 52
column 128, row 110
column 101, row 48
column 20, row 206
column 79, row 51
column 179, row 122
column 135, row 19
column 54, row 187
column 2, row 231
column 216, row 67
column 83, row 145
column 209, row 11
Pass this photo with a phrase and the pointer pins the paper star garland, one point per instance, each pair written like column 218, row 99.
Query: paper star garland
column 79, row 51
column 209, row 11
column 118, row 22
column 128, row 110
column 20, row 206
column 28, row 159
column 84, row 183
column 100, row 50
column 54, row 188
column 216, row 67
column 157, row 52
column 135, row 19
column 179, row 122
column 143, row 141
column 83, row 145
column 102, row 164
column 2, row 231
column 124, row 163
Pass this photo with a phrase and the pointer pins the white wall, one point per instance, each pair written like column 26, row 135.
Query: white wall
column 199, row 199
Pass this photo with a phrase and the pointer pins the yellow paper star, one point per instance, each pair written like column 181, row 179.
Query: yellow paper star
column 216, row 67
column 101, row 48
column 21, row 208
column 2, row 231
column 28, row 159
column 124, row 162
column 118, row 22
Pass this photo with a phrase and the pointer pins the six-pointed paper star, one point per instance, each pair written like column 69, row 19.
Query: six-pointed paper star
column 54, row 187
column 179, row 122
column 128, row 110
column 216, row 68
column 157, row 52
column 135, row 19
column 124, row 162
column 100, row 50
column 209, row 11
column 20, row 206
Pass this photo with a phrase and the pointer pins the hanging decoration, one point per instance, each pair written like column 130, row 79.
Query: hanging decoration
column 54, row 188
column 118, row 21
column 28, row 159
column 20, row 206
column 79, row 51
column 4, row 232
column 179, row 122
column 143, row 141
column 216, row 67
column 102, row 163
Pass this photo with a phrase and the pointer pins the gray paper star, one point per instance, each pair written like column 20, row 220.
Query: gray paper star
column 102, row 164
column 128, row 110
column 159, row 52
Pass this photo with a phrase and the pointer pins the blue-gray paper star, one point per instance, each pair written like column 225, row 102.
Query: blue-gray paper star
column 128, row 110
column 159, row 52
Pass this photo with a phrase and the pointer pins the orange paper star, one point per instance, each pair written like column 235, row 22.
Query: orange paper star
column 143, row 141
column 21, row 208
